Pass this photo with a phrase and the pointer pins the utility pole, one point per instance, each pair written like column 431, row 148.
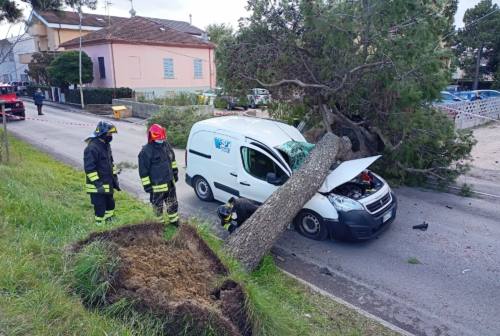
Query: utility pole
column 5, row 138
column 80, row 57
column 478, row 65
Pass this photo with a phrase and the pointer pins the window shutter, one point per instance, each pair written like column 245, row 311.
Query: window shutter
column 102, row 68
column 168, row 68
column 198, row 68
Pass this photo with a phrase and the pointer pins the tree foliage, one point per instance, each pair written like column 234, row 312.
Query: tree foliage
column 481, row 32
column 367, row 67
column 10, row 12
column 37, row 67
column 218, row 32
column 64, row 69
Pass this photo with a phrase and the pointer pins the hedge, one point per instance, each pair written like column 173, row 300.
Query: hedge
column 98, row 95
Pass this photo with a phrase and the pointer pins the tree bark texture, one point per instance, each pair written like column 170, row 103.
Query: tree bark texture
column 258, row 234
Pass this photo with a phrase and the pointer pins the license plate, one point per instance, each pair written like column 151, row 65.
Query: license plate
column 387, row 216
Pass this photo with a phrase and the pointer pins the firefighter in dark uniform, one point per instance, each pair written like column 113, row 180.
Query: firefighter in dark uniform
column 100, row 171
column 235, row 212
column 158, row 172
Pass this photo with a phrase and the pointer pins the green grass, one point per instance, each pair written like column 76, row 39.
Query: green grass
column 43, row 209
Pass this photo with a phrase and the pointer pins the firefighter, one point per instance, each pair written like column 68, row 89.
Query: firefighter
column 158, row 172
column 101, row 173
column 235, row 212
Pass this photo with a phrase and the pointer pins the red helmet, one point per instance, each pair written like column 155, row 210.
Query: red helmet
column 156, row 132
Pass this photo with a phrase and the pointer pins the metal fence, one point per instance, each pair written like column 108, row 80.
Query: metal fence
column 469, row 114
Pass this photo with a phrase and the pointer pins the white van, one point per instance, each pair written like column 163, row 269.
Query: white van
column 239, row 157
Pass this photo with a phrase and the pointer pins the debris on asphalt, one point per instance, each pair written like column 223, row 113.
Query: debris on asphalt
column 422, row 227
column 449, row 207
column 466, row 270
column 325, row 271
column 280, row 258
column 413, row 261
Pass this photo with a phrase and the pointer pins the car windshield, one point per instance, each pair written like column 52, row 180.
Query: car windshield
column 262, row 91
column 6, row 89
column 295, row 152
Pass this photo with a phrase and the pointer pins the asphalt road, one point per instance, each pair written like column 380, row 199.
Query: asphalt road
column 444, row 281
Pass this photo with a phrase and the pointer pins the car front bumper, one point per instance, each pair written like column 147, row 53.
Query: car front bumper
column 361, row 225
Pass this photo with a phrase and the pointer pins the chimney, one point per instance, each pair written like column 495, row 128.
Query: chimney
column 190, row 19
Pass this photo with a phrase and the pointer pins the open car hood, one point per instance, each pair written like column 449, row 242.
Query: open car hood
column 345, row 172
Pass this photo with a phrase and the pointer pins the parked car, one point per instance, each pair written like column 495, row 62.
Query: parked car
column 246, row 157
column 233, row 102
column 14, row 107
column 447, row 97
column 258, row 97
column 20, row 87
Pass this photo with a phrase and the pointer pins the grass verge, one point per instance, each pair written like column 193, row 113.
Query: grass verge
column 43, row 208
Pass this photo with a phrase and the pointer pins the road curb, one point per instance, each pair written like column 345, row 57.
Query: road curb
column 349, row 305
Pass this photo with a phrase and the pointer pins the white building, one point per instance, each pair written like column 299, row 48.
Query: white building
column 11, row 49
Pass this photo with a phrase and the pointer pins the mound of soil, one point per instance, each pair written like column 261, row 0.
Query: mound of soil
column 175, row 280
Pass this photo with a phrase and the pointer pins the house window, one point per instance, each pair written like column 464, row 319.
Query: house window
column 24, row 78
column 102, row 68
column 6, row 78
column 198, row 68
column 168, row 68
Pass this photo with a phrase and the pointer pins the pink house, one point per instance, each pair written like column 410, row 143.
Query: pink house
column 147, row 55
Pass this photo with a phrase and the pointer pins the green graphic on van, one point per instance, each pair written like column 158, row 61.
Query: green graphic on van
column 223, row 144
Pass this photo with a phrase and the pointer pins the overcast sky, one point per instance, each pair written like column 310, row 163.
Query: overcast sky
column 203, row 12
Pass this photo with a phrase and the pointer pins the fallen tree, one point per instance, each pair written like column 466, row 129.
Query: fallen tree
column 259, row 233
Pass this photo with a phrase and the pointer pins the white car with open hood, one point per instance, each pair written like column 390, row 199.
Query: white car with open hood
column 251, row 157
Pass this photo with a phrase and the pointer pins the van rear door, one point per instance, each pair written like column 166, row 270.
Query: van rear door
column 254, row 166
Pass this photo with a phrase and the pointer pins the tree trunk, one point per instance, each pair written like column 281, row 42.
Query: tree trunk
column 258, row 234
column 478, row 65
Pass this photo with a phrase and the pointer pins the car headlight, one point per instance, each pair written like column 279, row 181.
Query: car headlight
column 342, row 203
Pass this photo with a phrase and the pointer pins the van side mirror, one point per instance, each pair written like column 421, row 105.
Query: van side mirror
column 273, row 179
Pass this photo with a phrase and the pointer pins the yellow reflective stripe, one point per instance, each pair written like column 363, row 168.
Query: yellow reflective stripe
column 160, row 188
column 109, row 213
column 93, row 176
column 226, row 226
column 173, row 217
column 99, row 219
column 174, row 164
column 146, row 180
column 115, row 170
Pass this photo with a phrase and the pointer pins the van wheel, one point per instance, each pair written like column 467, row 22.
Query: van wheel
column 202, row 189
column 311, row 225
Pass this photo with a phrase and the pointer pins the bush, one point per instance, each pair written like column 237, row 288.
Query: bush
column 31, row 89
column 220, row 103
column 287, row 112
column 178, row 123
column 176, row 99
column 97, row 95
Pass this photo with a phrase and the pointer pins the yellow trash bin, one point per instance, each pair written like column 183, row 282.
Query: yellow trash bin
column 121, row 111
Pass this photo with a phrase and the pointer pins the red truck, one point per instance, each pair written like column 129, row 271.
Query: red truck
column 14, row 107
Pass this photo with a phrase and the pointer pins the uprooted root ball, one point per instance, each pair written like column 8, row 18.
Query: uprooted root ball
column 172, row 280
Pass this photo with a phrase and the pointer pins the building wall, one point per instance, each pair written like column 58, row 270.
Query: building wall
column 24, row 45
column 94, row 52
column 141, row 67
column 64, row 35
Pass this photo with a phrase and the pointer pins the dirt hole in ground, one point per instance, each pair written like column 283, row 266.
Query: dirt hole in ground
column 177, row 280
